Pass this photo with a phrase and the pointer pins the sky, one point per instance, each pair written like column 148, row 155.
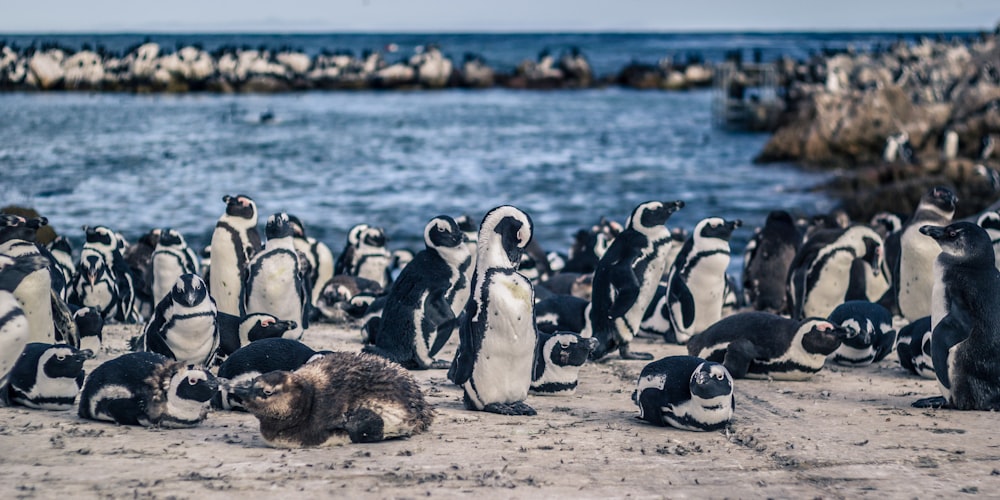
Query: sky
column 85, row 16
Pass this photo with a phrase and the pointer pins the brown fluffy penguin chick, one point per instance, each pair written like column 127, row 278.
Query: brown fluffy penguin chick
column 342, row 396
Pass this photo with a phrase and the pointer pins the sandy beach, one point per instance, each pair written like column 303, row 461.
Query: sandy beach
column 846, row 433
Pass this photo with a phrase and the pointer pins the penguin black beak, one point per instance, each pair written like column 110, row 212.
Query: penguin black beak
column 84, row 354
column 674, row 206
column 243, row 391
column 844, row 332
column 734, row 224
column 591, row 344
column 217, row 384
column 935, row 232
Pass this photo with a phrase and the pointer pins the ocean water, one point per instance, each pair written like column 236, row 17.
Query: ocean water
column 397, row 159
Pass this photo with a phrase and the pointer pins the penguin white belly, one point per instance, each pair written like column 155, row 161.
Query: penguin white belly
column 373, row 268
column 707, row 282
column 34, row 293
column 875, row 284
column 916, row 274
column 946, row 391
column 226, row 278
column 939, row 297
column 166, row 269
column 705, row 411
column 274, row 292
column 47, row 388
column 14, row 333
column 98, row 295
column 502, row 371
column 658, row 323
column 192, row 337
column 829, row 290
column 420, row 344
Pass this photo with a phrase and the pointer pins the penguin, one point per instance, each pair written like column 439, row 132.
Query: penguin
column 589, row 246
column 148, row 389
column 764, row 345
column 94, row 286
column 345, row 261
column 184, row 326
column 696, row 287
column 340, row 397
column 626, row 279
column 967, row 338
column 372, row 258
column 685, row 392
column 31, row 281
column 872, row 337
column 171, row 259
column 319, row 255
column 254, row 359
column 914, row 279
column 561, row 313
column 497, row 330
column 138, row 257
column 766, row 265
column 990, row 221
column 252, row 327
column 90, row 326
column 336, row 302
column 820, row 275
column 234, row 241
column 885, row 224
column 14, row 335
column 558, row 358
column 273, row 282
column 107, row 246
column 471, row 232
column 62, row 253
column 48, row 376
column 656, row 321
column 913, row 346
column 419, row 316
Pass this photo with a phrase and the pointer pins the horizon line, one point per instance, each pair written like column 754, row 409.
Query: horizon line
column 694, row 31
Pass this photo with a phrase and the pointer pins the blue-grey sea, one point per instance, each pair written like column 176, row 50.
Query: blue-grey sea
column 396, row 159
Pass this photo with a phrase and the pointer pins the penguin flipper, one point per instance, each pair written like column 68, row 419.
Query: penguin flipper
column 461, row 368
column 950, row 331
column 884, row 345
column 153, row 340
column 931, row 402
column 681, row 295
column 439, row 313
column 626, row 286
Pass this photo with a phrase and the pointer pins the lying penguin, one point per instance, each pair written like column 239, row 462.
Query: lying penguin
column 356, row 397
column 48, row 376
column 146, row 388
column 256, row 358
column 558, row 358
column 914, row 348
column 874, row 336
column 762, row 345
column 685, row 392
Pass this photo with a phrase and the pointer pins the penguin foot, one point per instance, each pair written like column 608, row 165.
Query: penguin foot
column 365, row 426
column 518, row 408
column 626, row 353
column 440, row 364
column 934, row 402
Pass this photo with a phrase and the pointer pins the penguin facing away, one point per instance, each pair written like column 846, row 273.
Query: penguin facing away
column 627, row 277
column 319, row 255
column 234, row 241
column 48, row 376
column 969, row 334
column 497, row 331
column 685, row 392
column 273, row 282
column 185, row 326
column 418, row 318
column 765, row 273
column 345, row 261
column 90, row 326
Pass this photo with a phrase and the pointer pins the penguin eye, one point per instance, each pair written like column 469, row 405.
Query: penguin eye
column 268, row 392
column 564, row 345
column 192, row 380
column 60, row 357
column 952, row 233
column 718, row 376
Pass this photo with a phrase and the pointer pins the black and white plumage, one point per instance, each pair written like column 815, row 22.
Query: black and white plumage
column 171, row 259
column 146, row 388
column 820, row 276
column 913, row 346
column 32, row 284
column 319, row 255
column 345, row 261
column 589, row 246
column 914, row 278
column 273, row 282
column 685, row 392
column 257, row 358
column 990, row 221
column 184, row 326
column 103, row 279
column 14, row 335
column 371, row 257
column 872, row 337
column 965, row 343
column 561, row 313
column 251, row 328
column 696, row 287
column 139, row 258
column 418, row 318
column 762, row 345
column 48, row 376
column 337, row 301
column 20, row 276
column 558, row 358
column 768, row 259
column 234, row 241
column 89, row 327
column 626, row 279
column 62, row 254
column 497, row 331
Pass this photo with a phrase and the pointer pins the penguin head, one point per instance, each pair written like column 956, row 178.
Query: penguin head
column 240, row 206
column 372, row 237
column 939, row 199
column 401, row 257
column 63, row 361
column 989, row 220
column 278, row 395
column 567, row 348
column 94, row 270
column 15, row 227
column 503, row 236
column 963, row 242
column 171, row 238
column 189, row 290
column 443, row 232
column 193, row 384
column 711, row 380
column 820, row 336
column 354, row 235
column 101, row 236
column 265, row 326
column 716, row 227
column 278, row 226
column 652, row 214
column 88, row 322
column 781, row 217
column 298, row 228
column 61, row 244
column 886, row 223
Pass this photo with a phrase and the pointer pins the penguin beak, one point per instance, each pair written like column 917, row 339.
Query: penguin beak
column 218, row 384
column 288, row 325
column 674, row 206
column 701, row 378
column 243, row 391
column 734, row 224
column 935, row 232
column 844, row 332
column 84, row 354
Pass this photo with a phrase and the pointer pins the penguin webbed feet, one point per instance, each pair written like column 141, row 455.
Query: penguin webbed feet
column 626, row 353
column 932, row 402
column 517, row 408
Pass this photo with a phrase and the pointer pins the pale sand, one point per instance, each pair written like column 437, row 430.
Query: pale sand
column 846, row 433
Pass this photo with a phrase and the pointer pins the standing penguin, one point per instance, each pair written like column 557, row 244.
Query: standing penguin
column 62, row 254
column 626, row 279
column 966, row 342
column 317, row 253
column 171, row 259
column 234, row 242
column 48, row 376
column 765, row 270
column 696, row 287
column 107, row 247
column 685, row 392
column 820, row 275
column 873, row 336
column 371, row 257
column 139, row 258
column 184, row 326
column 14, row 330
column 273, row 282
column 497, row 333
column 31, row 283
column 915, row 278
column 418, row 318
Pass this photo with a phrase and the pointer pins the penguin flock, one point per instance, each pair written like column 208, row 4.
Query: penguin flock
column 232, row 333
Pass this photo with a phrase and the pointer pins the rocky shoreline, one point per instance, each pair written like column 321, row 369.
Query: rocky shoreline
column 151, row 68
